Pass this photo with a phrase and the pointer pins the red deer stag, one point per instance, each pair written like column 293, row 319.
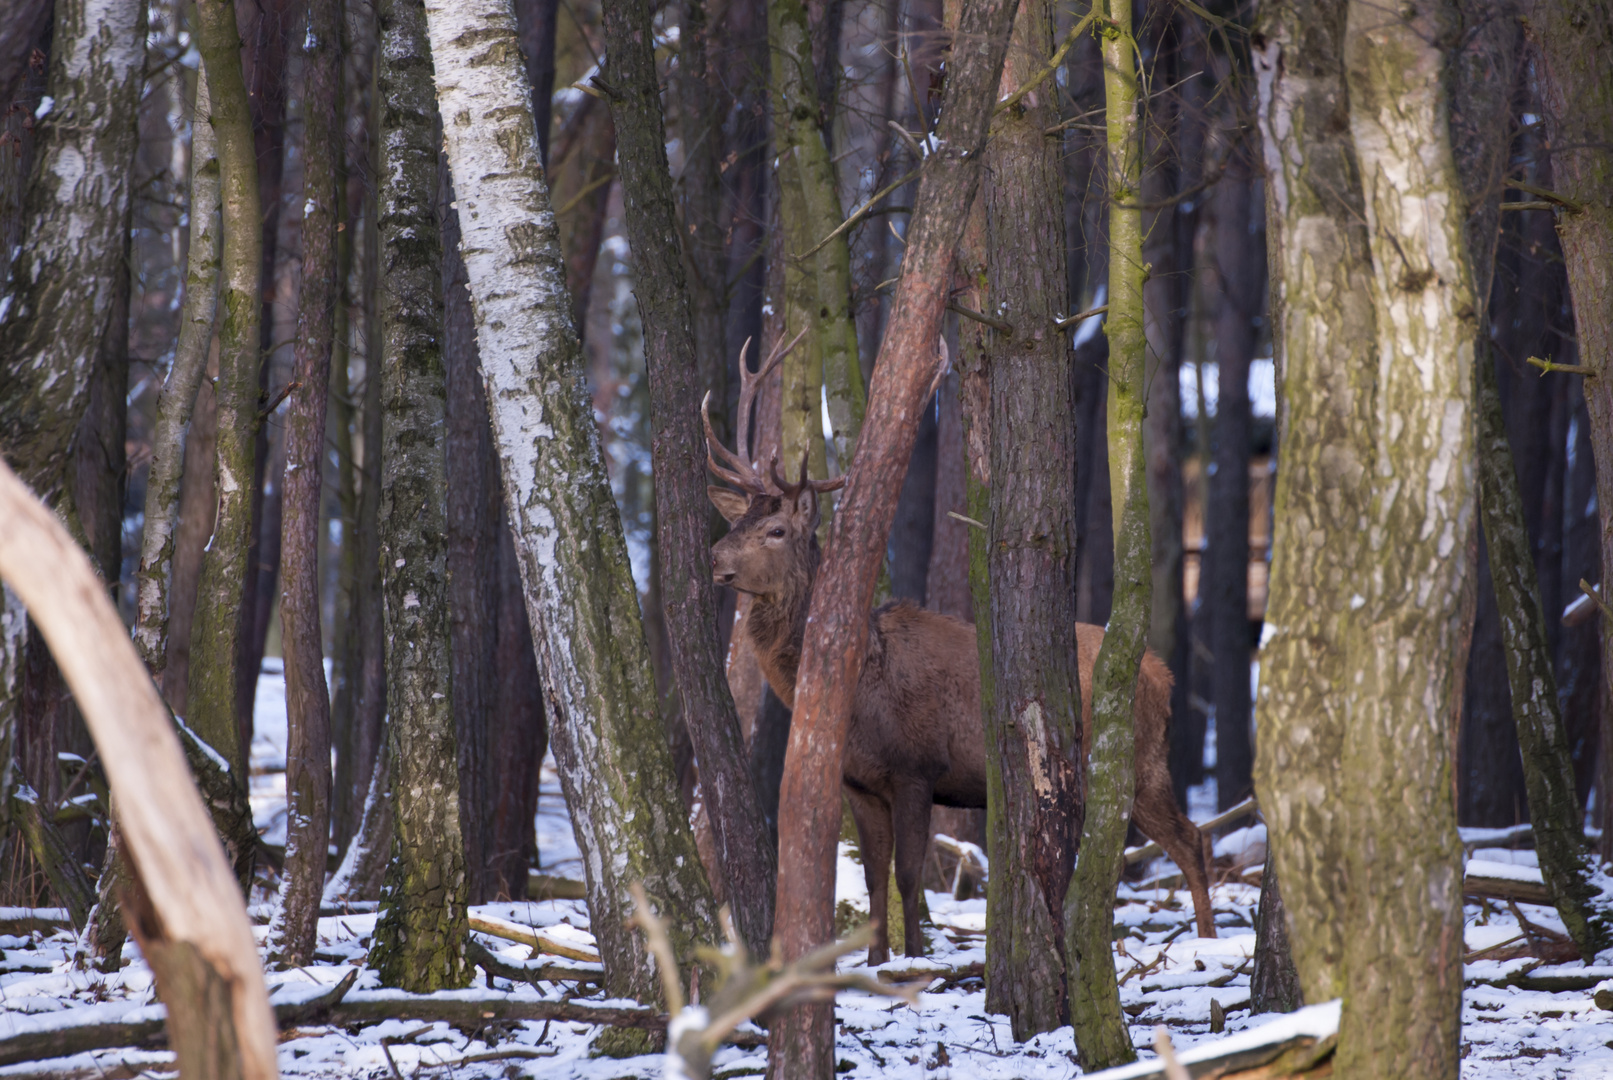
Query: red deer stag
column 916, row 738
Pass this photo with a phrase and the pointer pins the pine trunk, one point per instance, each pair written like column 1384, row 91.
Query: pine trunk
column 905, row 374
column 420, row 936
column 295, row 931
column 1322, row 317
column 1101, row 1037
column 607, row 734
column 744, row 854
column 1033, row 730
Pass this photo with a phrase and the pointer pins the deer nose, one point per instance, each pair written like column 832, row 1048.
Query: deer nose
column 722, row 578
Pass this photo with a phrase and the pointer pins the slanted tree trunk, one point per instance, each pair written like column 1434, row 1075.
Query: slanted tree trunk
column 687, row 594
column 420, row 936
column 188, row 916
column 294, row 933
column 537, row 22
column 905, row 374
column 615, row 768
column 1034, row 756
column 1322, row 319
column 218, row 622
column 1402, row 925
column 1101, row 1037
column 1575, row 86
column 1239, row 259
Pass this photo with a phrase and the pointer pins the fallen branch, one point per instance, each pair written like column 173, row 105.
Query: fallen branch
column 527, row 935
column 925, row 977
column 1504, row 881
column 1290, row 1045
column 532, row 974
column 23, row 920
column 549, row 887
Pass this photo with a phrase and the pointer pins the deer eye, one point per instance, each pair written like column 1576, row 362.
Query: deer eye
column 776, row 532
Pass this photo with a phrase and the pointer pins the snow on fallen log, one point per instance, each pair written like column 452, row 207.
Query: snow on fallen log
column 1300, row 1039
column 25, row 920
column 1505, row 881
column 541, row 940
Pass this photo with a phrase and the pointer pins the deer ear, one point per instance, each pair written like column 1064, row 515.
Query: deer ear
column 730, row 504
column 805, row 506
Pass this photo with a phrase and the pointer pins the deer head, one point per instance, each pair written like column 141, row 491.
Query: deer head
column 771, row 546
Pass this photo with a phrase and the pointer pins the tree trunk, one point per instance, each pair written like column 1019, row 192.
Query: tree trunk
column 1100, row 1029
column 295, row 931
column 1239, row 261
column 905, row 375
column 197, row 504
column 189, row 917
column 615, row 768
column 178, row 400
column 523, row 731
column 818, row 285
column 1402, row 926
column 1489, row 779
column 1034, row 754
column 745, row 856
column 536, row 22
column 61, row 283
column 1322, row 319
column 1274, row 984
column 218, row 622
column 420, row 936
column 1575, row 86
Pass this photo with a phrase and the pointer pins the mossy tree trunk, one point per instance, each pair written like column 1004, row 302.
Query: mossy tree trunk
column 817, row 287
column 905, row 375
column 1322, row 320
column 420, row 936
column 1402, row 924
column 1033, row 728
column 606, row 731
column 744, row 851
column 218, row 622
column 294, row 933
column 1101, row 1037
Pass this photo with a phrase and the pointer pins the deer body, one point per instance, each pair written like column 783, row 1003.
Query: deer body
column 916, row 736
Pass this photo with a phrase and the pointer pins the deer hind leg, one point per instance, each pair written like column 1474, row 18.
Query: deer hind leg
column 873, row 817
column 1161, row 819
column 911, row 816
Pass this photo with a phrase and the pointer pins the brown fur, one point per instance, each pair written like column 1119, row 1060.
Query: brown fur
column 916, row 738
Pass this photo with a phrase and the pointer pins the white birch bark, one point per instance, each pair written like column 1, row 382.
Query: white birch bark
column 57, row 299
column 615, row 767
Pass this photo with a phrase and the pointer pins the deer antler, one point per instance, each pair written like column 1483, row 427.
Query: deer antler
column 789, row 491
column 739, row 468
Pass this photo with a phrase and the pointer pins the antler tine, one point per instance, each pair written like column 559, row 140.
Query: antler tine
column 738, row 472
column 820, row 486
column 749, row 385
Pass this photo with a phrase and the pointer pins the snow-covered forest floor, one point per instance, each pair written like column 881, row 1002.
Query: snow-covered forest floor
column 1168, row 977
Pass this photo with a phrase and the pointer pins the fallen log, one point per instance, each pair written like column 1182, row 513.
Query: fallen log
column 144, row 1026
column 532, row 974
column 1505, row 881
column 927, row 976
column 549, row 887
column 528, row 935
column 25, row 920
column 1291, row 1045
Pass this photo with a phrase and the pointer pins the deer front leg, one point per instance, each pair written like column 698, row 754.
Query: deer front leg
column 873, row 817
column 911, row 818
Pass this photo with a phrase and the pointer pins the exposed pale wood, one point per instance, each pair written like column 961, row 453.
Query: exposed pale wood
column 193, row 894
column 526, row 935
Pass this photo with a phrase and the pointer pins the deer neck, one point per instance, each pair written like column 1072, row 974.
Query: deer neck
column 777, row 627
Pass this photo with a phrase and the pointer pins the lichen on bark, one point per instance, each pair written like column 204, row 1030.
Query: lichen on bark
column 615, row 767
column 420, row 935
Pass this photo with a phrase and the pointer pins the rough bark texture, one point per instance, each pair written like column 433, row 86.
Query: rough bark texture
column 1402, row 925
column 681, row 508
column 218, row 623
column 817, row 288
column 193, row 927
column 60, row 288
column 1575, row 85
column 1101, row 1037
column 837, row 625
column 1274, row 983
column 294, row 933
column 420, row 935
column 178, row 400
column 1322, row 317
column 607, row 736
column 1033, row 729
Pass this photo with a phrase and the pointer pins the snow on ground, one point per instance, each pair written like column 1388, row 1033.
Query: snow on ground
column 1167, row 977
